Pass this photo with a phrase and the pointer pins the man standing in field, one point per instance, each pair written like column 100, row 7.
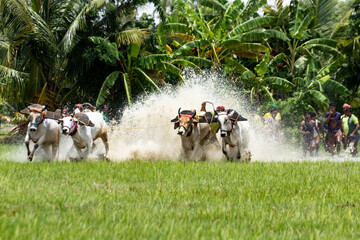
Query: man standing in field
column 307, row 130
column 353, row 134
column 272, row 125
column 335, row 128
column 268, row 114
column 344, row 120
column 316, row 137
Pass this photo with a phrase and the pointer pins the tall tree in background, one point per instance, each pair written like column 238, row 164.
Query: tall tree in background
column 40, row 36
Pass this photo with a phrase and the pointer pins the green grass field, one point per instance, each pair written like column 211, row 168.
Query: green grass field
column 177, row 200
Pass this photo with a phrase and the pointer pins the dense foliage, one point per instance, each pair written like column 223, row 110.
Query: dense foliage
column 301, row 55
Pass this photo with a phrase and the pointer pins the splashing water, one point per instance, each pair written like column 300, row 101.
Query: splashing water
column 145, row 131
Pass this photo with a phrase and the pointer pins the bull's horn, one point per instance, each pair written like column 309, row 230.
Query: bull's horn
column 43, row 108
column 179, row 112
column 194, row 113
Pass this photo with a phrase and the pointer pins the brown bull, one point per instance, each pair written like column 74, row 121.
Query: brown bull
column 193, row 134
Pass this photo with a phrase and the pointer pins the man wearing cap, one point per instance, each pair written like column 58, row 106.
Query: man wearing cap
column 268, row 114
column 344, row 119
column 272, row 123
column 78, row 108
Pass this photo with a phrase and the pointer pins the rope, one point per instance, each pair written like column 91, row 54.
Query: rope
column 117, row 128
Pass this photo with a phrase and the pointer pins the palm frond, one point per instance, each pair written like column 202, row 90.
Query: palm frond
column 187, row 47
column 281, row 83
column 150, row 61
column 325, row 49
column 176, row 28
column 142, row 75
column 248, row 75
column 329, row 68
column 297, row 31
column 238, row 66
column 337, row 87
column 202, row 62
column 127, row 85
column 323, row 41
column 214, row 5
column 277, row 34
column 252, row 24
column 267, row 94
column 78, row 24
column 186, row 63
column 105, row 88
column 131, row 36
column 46, row 97
column 235, row 44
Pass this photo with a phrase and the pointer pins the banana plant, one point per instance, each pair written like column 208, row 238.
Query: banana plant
column 262, row 82
column 214, row 30
column 137, row 71
column 316, row 76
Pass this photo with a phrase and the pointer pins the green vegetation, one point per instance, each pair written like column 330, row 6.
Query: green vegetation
column 304, row 54
column 162, row 200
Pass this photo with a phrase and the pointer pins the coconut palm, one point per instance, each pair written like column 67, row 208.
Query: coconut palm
column 40, row 37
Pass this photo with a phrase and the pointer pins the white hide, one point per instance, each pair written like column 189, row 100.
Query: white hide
column 85, row 136
column 235, row 135
column 45, row 135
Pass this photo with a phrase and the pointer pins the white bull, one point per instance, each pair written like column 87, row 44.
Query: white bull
column 44, row 132
column 235, row 132
column 83, row 135
column 193, row 134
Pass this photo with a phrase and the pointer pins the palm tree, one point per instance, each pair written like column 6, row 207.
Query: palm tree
column 40, row 37
column 127, row 66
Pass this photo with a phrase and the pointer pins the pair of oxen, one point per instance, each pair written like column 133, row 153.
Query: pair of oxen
column 45, row 129
column 195, row 130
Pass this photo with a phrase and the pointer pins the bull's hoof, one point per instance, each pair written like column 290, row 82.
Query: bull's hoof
column 30, row 159
column 247, row 157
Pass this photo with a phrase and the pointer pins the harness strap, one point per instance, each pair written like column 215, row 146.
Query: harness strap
column 42, row 120
column 189, row 133
column 75, row 130
column 87, row 123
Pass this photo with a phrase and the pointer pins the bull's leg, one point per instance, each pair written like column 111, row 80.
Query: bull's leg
column 55, row 150
column 27, row 143
column 105, row 140
column 89, row 148
column 238, row 156
column 194, row 151
column 79, row 151
column 48, row 152
column 224, row 149
column 31, row 155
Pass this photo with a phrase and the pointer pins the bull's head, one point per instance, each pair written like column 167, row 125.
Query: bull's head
column 225, row 123
column 186, row 122
column 36, row 118
column 68, row 124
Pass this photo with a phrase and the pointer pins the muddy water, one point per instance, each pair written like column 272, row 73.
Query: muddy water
column 145, row 131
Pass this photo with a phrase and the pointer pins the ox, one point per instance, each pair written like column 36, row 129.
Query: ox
column 84, row 129
column 234, row 131
column 193, row 133
column 42, row 131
